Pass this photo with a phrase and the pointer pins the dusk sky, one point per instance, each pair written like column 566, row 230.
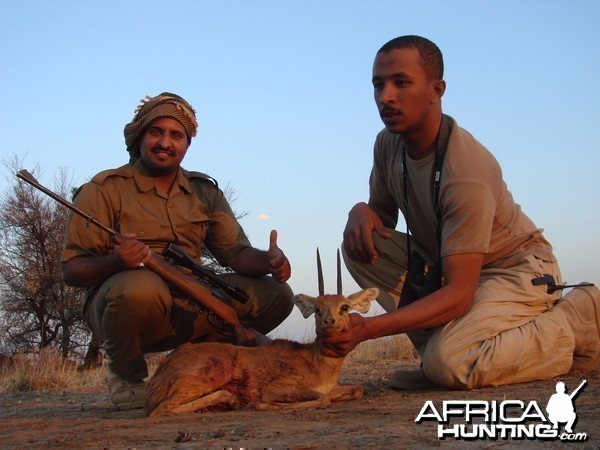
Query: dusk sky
column 284, row 100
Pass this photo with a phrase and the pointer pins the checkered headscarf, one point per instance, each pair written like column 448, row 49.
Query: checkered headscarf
column 163, row 105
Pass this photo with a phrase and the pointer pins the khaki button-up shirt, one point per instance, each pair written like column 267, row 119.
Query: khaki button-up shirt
column 127, row 200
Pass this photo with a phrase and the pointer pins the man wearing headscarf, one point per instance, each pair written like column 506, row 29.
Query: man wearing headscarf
column 153, row 201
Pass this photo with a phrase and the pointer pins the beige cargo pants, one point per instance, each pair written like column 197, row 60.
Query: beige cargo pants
column 510, row 335
column 134, row 312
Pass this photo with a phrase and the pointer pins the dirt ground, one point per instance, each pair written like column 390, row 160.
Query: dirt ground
column 383, row 418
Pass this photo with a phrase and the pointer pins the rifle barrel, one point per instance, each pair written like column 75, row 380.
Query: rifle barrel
column 576, row 391
column 29, row 178
column 171, row 274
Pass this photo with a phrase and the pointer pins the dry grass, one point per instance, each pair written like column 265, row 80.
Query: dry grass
column 396, row 348
column 47, row 371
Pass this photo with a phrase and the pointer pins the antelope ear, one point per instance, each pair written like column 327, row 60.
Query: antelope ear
column 305, row 304
column 361, row 301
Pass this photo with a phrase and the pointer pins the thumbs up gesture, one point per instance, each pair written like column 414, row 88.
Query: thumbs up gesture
column 279, row 266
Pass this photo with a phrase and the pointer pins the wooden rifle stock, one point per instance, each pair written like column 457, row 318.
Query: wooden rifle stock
column 189, row 287
column 171, row 274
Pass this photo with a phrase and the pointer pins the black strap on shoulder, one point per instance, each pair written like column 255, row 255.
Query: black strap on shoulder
column 441, row 146
column 193, row 174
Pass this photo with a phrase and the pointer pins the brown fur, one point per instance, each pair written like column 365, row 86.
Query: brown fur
column 282, row 374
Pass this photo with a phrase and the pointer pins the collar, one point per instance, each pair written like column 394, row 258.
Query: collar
column 145, row 182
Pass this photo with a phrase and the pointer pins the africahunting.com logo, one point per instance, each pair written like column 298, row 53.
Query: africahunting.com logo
column 507, row 419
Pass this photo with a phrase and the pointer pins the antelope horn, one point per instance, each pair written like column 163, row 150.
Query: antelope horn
column 339, row 273
column 320, row 274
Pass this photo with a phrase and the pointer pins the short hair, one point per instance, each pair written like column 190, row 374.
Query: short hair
column 431, row 55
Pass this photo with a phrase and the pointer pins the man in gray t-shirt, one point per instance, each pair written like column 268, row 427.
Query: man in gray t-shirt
column 479, row 301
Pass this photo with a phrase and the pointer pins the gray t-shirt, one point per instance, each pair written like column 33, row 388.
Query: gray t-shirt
column 479, row 214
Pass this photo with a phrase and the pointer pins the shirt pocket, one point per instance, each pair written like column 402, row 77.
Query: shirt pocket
column 145, row 230
column 196, row 229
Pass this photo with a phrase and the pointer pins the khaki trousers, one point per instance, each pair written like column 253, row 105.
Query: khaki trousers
column 135, row 312
column 511, row 334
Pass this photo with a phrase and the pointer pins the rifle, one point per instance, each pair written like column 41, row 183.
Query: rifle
column 171, row 274
column 178, row 256
column 576, row 391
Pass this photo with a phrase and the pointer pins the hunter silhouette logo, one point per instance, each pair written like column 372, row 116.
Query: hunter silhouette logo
column 560, row 407
column 507, row 419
